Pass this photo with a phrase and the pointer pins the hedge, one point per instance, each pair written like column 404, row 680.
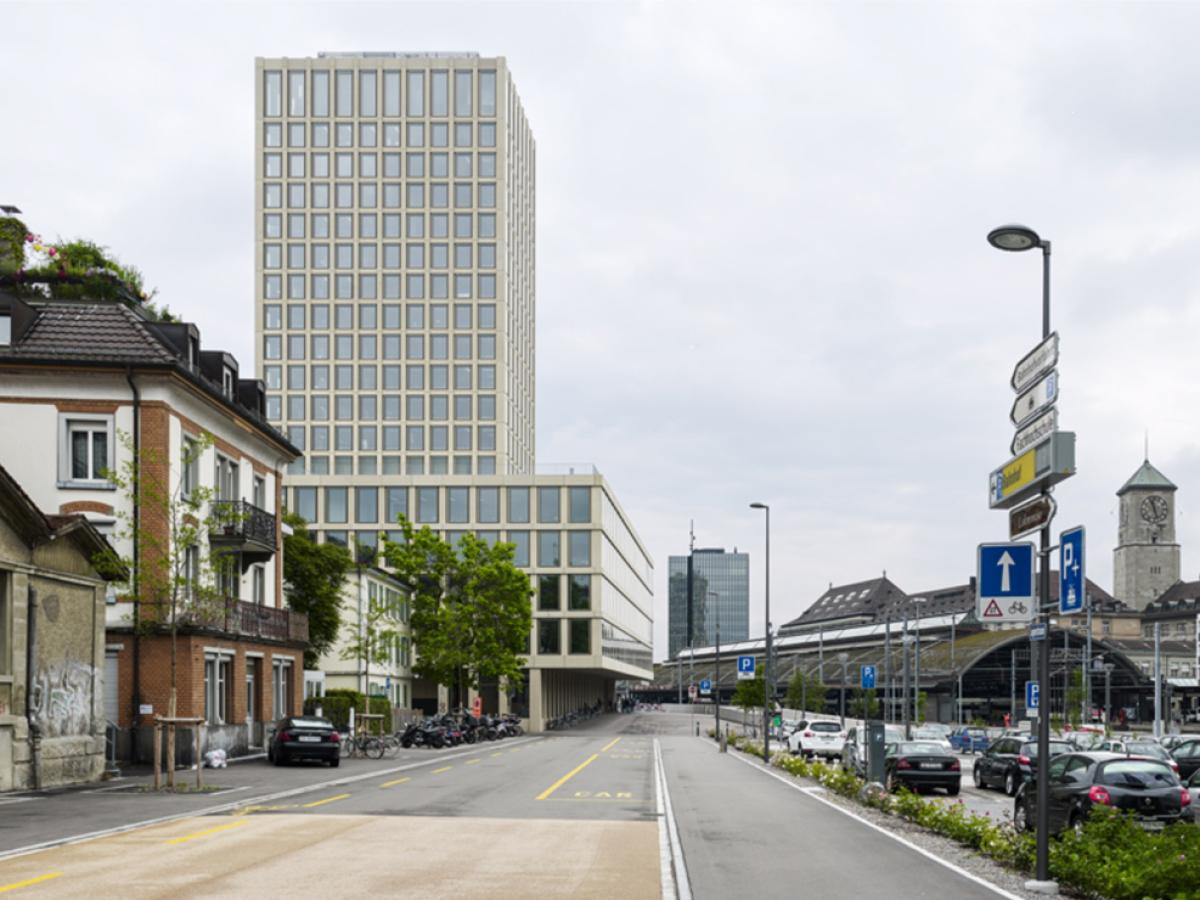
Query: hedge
column 336, row 707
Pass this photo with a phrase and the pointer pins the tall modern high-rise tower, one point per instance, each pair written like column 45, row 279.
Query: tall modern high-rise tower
column 395, row 270
column 395, row 307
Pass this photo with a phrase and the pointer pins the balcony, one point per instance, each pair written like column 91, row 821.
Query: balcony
column 252, row 620
column 242, row 526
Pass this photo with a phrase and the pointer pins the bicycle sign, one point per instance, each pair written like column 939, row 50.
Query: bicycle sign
column 1004, row 582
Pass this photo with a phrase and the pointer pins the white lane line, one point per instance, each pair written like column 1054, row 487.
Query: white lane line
column 814, row 794
column 666, row 882
column 683, row 888
column 226, row 807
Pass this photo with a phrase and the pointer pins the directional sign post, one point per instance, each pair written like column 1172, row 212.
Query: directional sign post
column 1037, row 631
column 1040, row 396
column 1035, row 514
column 745, row 667
column 1047, row 463
column 1004, row 583
column 1036, row 363
column 868, row 678
column 1033, row 694
column 1072, row 583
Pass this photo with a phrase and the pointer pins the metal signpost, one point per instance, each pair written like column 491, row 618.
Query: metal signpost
column 1043, row 456
column 1004, row 583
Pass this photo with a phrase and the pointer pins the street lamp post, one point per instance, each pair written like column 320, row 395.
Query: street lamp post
column 843, row 658
column 1018, row 238
column 916, row 698
column 717, row 675
column 1108, row 670
column 767, row 622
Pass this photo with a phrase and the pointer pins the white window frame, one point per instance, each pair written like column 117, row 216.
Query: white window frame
column 259, row 589
column 189, row 469
column 71, row 422
column 218, row 670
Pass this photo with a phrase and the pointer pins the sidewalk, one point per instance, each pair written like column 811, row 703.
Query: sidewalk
column 744, row 832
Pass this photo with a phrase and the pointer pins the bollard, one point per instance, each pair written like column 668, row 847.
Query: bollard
column 697, row 729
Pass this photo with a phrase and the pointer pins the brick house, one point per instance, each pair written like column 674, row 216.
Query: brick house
column 86, row 387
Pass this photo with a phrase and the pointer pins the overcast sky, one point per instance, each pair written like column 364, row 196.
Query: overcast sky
column 762, row 266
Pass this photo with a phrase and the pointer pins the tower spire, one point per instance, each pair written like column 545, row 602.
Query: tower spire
column 1146, row 457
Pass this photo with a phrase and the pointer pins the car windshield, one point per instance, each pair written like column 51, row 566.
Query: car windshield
column 1147, row 750
column 976, row 732
column 825, row 726
column 1137, row 773
column 927, row 734
column 918, row 748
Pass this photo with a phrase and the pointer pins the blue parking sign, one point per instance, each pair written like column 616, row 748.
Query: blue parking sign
column 1033, row 694
column 868, row 678
column 1072, row 584
column 745, row 667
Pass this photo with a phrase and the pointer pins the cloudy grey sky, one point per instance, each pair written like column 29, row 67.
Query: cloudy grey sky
column 762, row 272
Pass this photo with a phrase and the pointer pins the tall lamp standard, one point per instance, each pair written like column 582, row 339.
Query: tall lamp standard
column 916, row 698
column 844, row 658
column 767, row 686
column 715, row 598
column 1017, row 239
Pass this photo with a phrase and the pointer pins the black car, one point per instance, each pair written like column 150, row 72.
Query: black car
column 1187, row 755
column 1011, row 761
column 1148, row 788
column 921, row 765
column 304, row 737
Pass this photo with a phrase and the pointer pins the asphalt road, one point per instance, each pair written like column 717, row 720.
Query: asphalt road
column 567, row 814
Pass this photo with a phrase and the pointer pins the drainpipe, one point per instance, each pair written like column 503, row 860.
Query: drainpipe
column 35, row 729
column 136, row 694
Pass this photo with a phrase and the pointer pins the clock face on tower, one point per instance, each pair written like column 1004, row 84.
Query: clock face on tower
column 1154, row 509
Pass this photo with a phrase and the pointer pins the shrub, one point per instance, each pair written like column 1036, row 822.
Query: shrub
column 336, row 706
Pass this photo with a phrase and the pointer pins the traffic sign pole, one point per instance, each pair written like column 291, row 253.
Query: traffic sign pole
column 1043, row 737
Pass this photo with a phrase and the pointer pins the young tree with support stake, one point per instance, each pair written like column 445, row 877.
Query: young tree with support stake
column 471, row 608
column 177, row 578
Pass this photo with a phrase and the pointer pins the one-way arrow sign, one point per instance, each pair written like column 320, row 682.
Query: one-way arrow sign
column 1004, row 583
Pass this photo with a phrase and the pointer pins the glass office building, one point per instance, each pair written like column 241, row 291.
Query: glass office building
column 720, row 592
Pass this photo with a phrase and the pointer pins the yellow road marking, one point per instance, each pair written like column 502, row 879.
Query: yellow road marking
column 497, row 753
column 610, row 744
column 394, row 783
column 471, row 762
column 206, row 832
column 326, row 800
column 575, row 771
column 441, row 770
column 28, row 881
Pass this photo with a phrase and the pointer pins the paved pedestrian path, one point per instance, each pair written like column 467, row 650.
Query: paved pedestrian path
column 745, row 833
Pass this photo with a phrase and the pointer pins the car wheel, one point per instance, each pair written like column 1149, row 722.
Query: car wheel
column 953, row 790
column 1010, row 784
column 335, row 762
column 1022, row 822
column 1075, row 822
column 279, row 759
column 977, row 776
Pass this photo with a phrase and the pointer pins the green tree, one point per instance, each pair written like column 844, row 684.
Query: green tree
column 374, row 640
column 1075, row 696
column 471, row 609
column 806, row 689
column 750, row 693
column 313, row 577
column 863, row 704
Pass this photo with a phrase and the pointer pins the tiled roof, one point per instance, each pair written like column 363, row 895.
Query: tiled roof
column 89, row 331
column 1147, row 477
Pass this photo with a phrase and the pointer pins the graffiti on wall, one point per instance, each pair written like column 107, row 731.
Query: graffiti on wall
column 62, row 699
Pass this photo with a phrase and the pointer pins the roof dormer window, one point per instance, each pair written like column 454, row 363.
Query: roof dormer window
column 228, row 382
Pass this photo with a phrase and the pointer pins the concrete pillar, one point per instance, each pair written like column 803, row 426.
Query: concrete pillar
column 537, row 716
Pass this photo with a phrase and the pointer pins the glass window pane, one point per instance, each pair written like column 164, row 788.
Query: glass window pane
column 366, row 93
column 581, row 635
column 344, row 85
column 416, row 93
column 335, row 504
column 518, row 504
column 579, row 590
column 579, row 548
column 272, row 93
column 520, row 542
column 439, row 93
column 489, row 504
column 462, row 92
column 549, row 599
column 549, row 549
column 580, row 503
column 320, row 91
column 549, row 636
column 548, row 504
column 427, row 504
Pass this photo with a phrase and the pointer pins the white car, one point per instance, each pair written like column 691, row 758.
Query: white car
column 933, row 735
column 821, row 738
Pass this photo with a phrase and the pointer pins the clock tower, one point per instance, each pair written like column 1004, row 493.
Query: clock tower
column 1146, row 561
